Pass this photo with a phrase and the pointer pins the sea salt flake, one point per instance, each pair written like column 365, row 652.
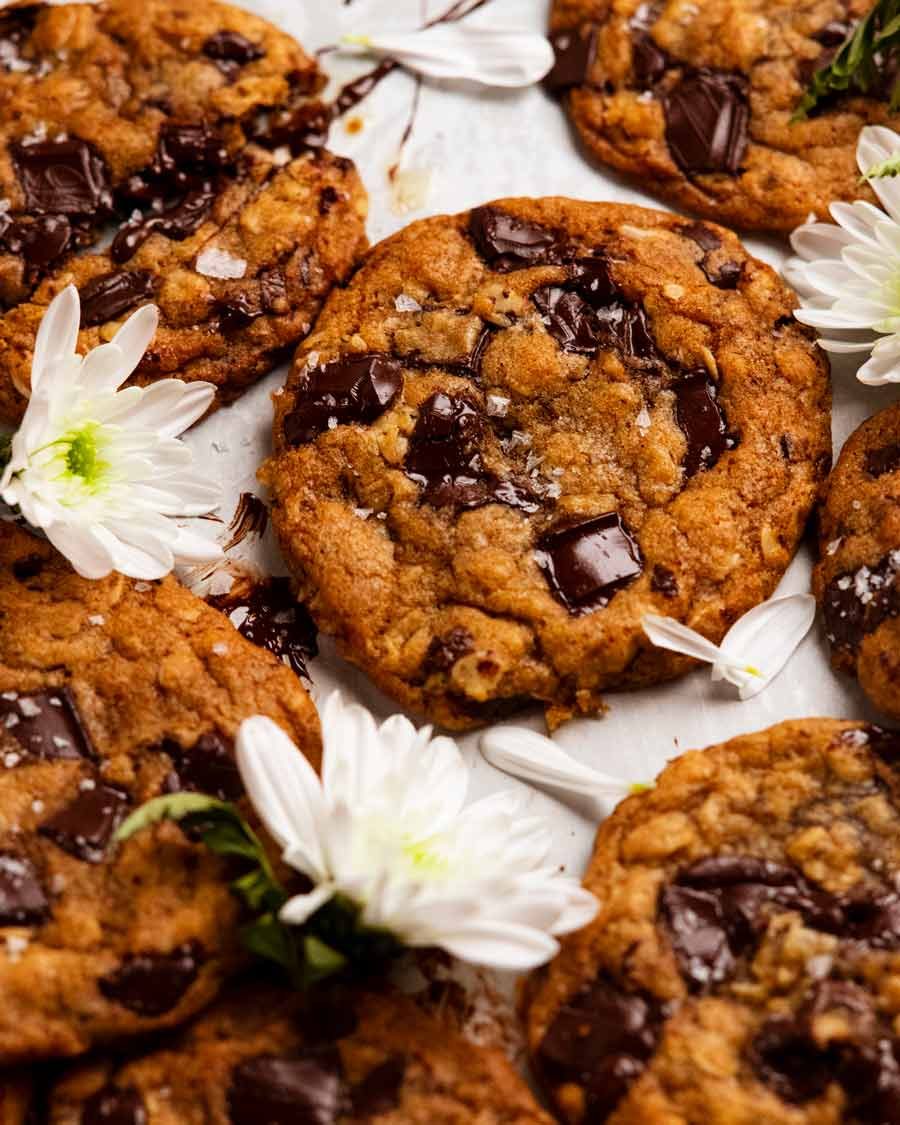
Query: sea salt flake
column 61, row 743
column 213, row 262
column 11, row 721
column 11, row 696
column 497, row 406
column 86, row 784
column 16, row 944
column 142, row 587
column 238, row 616
column 29, row 708
column 643, row 420
column 362, row 513
column 220, row 649
column 834, row 546
column 97, row 619
column 37, row 806
column 405, row 303
column 11, row 760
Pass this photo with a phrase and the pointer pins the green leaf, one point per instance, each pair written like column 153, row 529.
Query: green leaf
column 321, row 960
column 175, row 807
column 887, row 168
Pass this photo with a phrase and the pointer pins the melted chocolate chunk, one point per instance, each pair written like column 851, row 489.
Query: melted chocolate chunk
column 880, row 462
column 271, row 617
column 108, row 297
column 443, row 652
column 302, row 128
column 188, row 149
column 46, row 725
column 85, row 827
column 885, row 744
column 206, row 767
column 379, row 1091
column 648, row 60
column 305, row 1090
column 601, row 1039
column 701, row 421
column 238, row 310
column 507, row 243
column 728, row 273
column 664, row 582
column 570, row 309
column 350, row 95
column 62, row 178
column 114, row 1105
column 624, row 327
column 151, row 984
column 790, row 1062
column 40, row 240
column 574, row 53
column 586, row 565
column 230, row 51
column 32, row 566
column 856, row 603
column 344, row 392
column 707, row 115
column 22, row 898
column 179, row 222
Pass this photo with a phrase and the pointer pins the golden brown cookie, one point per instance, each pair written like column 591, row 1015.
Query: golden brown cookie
column 194, row 133
column 695, row 97
column 268, row 1057
column 857, row 579
column 111, row 693
column 518, row 430
column 745, row 963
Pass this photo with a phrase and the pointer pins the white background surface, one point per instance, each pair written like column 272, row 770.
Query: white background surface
column 469, row 146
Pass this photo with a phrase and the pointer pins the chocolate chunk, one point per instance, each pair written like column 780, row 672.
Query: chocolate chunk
column 301, row 128
column 574, row 53
column 114, row 1105
column 701, row 421
column 707, row 115
column 879, row 462
column 885, row 744
column 32, row 566
column 270, row 616
column 790, row 1062
column 648, row 60
column 107, row 297
column 178, row 222
column 873, row 920
column 507, row 243
column 46, row 724
column 22, row 898
column 705, row 237
column 379, row 1091
column 664, row 582
column 344, row 392
column 40, row 240
column 727, row 274
column 570, row 309
column 856, row 603
column 151, row 984
column 586, row 565
column 443, row 652
column 305, row 1090
column 230, row 51
column 195, row 147
column 62, row 178
column 328, row 198
column 601, row 1039
column 624, row 327
column 834, row 33
column 85, row 827
column 206, row 767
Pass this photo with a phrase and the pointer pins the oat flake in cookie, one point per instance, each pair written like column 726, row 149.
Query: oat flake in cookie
column 744, row 964
column 113, row 692
column 266, row 1056
column 519, row 430
column 696, row 100
column 192, row 135
column 857, row 579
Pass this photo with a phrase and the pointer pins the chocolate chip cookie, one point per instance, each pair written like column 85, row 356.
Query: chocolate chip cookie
column 745, row 964
column 111, row 693
column 857, row 579
column 188, row 138
column 269, row 1056
column 697, row 99
column 520, row 429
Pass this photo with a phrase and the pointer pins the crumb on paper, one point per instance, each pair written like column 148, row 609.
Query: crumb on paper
column 354, row 124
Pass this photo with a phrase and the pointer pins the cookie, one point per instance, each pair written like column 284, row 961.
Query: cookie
column 15, row 1097
column 519, row 429
column 266, row 1055
column 189, row 140
column 745, row 963
column 696, row 100
column 857, row 579
column 111, row 693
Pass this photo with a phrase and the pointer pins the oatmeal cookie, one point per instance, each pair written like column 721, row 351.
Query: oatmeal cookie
column 745, row 963
column 192, row 135
column 113, row 692
column 520, row 429
column 696, row 97
column 269, row 1056
column 857, row 579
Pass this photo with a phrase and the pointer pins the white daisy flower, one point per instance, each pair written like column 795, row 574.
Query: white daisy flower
column 101, row 470
column 386, row 828
column 490, row 56
column 848, row 275
column 755, row 648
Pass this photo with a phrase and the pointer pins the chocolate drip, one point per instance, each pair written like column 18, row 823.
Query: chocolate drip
column 270, row 616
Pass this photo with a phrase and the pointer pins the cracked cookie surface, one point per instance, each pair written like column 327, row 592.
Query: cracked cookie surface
column 113, row 692
column 520, row 429
column 695, row 97
column 745, row 963
column 266, row 1055
column 166, row 152
column 857, row 579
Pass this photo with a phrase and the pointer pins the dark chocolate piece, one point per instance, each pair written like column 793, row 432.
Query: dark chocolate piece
column 728, row 273
column 62, row 177
column 443, row 652
column 114, row 1105
column 301, row 128
column 303, row 1090
column 664, row 582
column 570, row 309
column 885, row 744
column 856, row 603
column 574, row 52
column 586, row 565
column 507, row 243
column 22, row 898
column 46, row 724
column 231, row 51
column 107, row 297
column 85, row 827
column 206, row 767
column 624, row 327
column 707, row 115
column 343, row 392
column 880, row 462
column 151, row 984
column 40, row 240
column 648, row 60
column 701, row 421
